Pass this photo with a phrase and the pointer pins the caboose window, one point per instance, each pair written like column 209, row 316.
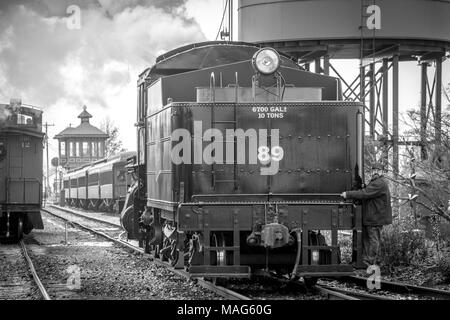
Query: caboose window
column 26, row 142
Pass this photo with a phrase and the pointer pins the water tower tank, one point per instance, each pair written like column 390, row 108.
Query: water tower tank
column 334, row 22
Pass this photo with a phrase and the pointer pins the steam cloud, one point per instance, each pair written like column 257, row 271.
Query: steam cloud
column 46, row 64
column 42, row 61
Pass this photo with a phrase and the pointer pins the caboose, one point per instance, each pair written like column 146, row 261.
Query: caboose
column 242, row 156
column 21, row 149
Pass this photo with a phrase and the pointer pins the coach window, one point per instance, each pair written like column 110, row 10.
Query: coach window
column 106, row 178
column 62, row 147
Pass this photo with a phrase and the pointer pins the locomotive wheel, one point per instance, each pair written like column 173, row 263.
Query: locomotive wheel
column 128, row 219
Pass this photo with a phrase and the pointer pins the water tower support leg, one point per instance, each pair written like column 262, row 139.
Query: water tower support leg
column 423, row 109
column 438, row 111
column 385, row 106
column 372, row 100
column 362, row 84
column 326, row 65
column 395, row 103
column 317, row 67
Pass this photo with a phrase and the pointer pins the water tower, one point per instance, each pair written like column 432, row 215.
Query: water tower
column 381, row 33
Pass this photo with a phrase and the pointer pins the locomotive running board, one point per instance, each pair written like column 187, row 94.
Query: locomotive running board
column 219, row 271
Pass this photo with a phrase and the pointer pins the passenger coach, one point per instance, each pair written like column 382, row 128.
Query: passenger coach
column 101, row 185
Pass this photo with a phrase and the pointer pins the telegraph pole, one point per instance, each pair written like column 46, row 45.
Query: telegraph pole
column 46, row 148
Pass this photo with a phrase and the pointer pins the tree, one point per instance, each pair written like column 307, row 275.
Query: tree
column 113, row 143
column 428, row 174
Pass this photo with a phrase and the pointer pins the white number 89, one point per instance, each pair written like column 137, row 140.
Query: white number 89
column 265, row 155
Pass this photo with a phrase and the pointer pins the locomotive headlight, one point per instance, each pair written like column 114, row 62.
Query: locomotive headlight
column 266, row 61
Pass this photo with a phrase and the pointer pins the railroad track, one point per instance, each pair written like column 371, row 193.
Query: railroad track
column 331, row 292
column 402, row 288
column 334, row 293
column 86, row 216
column 221, row 291
column 36, row 278
column 15, row 280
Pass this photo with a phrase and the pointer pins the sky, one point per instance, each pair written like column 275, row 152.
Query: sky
column 48, row 63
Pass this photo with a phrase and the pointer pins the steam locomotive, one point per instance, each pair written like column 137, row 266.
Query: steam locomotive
column 21, row 149
column 242, row 156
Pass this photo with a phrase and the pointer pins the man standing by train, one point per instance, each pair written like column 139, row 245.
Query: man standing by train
column 377, row 212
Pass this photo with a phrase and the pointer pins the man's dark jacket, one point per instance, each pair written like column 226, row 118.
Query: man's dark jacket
column 376, row 199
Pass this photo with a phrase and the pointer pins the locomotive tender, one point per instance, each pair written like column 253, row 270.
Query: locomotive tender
column 21, row 150
column 241, row 159
column 98, row 185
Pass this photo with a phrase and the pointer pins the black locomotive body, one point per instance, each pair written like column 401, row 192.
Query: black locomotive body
column 241, row 169
column 21, row 150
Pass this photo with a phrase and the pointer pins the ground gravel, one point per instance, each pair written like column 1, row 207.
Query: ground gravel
column 106, row 271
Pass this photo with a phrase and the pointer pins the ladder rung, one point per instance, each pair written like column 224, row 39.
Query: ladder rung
column 224, row 121
column 220, row 248
column 226, row 181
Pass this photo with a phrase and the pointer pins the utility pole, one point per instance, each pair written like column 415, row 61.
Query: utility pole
column 47, row 187
column 230, row 19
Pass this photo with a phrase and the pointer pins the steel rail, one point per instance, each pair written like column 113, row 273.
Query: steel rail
column 38, row 282
column 332, row 294
column 76, row 213
column 352, row 294
column 402, row 288
column 223, row 292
